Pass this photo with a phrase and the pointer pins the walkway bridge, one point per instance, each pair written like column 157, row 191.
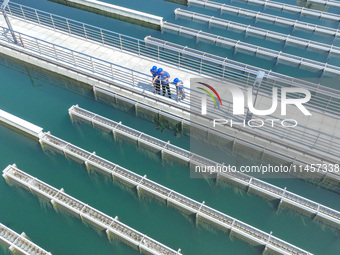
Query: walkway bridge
column 26, row 19
column 262, row 188
column 112, row 226
column 19, row 244
column 118, row 66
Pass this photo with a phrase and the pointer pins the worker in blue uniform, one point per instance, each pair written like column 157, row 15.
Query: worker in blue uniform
column 156, row 82
column 179, row 89
column 164, row 77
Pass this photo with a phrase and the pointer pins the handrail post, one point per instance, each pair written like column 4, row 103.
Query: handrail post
column 179, row 59
column 36, row 14
column 92, row 64
column 84, row 31
column 9, row 25
column 22, row 11
column 112, row 72
column 102, row 36
column 270, row 236
column 201, row 64
column 52, row 21
column 9, row 9
column 55, row 52
column 68, row 26
column 38, row 45
column 283, row 194
column 120, row 41
column 223, row 67
column 74, row 59
column 330, row 99
column 158, row 57
column 133, row 79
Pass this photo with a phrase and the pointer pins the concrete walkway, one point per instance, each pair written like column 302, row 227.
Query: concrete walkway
column 318, row 134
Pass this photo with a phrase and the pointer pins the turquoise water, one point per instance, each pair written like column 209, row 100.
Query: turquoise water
column 46, row 105
column 42, row 99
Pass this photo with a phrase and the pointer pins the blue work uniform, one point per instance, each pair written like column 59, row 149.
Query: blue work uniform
column 180, row 86
column 164, row 76
column 180, row 90
column 157, row 81
column 154, row 73
column 165, row 83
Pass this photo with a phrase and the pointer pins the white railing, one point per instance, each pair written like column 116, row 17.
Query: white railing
column 86, row 62
column 128, row 234
column 264, row 187
column 324, row 98
column 134, row 79
column 174, row 197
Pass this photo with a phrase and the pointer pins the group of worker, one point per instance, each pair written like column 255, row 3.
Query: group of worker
column 161, row 77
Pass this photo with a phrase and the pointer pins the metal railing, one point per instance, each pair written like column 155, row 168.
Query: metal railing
column 330, row 3
column 286, row 38
column 295, row 9
column 132, row 78
column 164, row 193
column 279, row 56
column 146, row 244
column 19, row 243
column 325, row 99
column 137, row 79
column 263, row 187
column 114, row 72
column 268, row 17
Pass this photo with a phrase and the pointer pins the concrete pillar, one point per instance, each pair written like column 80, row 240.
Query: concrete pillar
column 197, row 214
column 265, row 247
column 162, row 151
column 217, row 177
column 95, row 92
column 167, row 200
column 54, row 204
column 262, row 153
column 317, row 212
column 249, row 184
column 138, row 188
column 87, row 165
column 136, row 109
column 114, row 134
column 81, row 217
column 281, row 199
column 107, row 231
column 231, row 228
column 140, row 244
column 12, row 249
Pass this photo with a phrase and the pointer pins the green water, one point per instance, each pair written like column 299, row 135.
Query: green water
column 43, row 99
column 45, row 103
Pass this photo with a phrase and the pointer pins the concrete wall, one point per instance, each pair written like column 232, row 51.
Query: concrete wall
column 116, row 12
